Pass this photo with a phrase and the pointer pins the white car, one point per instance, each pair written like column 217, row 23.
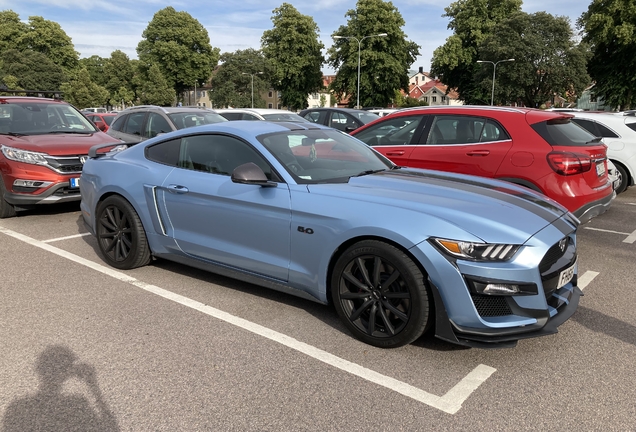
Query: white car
column 618, row 131
column 275, row 115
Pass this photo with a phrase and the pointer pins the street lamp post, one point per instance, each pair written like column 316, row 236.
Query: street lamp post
column 494, row 68
column 359, row 49
column 252, row 74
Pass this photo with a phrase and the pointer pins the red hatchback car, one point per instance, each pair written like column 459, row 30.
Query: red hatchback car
column 43, row 144
column 541, row 150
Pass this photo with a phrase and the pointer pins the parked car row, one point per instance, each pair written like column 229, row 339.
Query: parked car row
column 445, row 245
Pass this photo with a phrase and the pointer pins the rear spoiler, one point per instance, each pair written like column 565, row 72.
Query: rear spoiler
column 113, row 147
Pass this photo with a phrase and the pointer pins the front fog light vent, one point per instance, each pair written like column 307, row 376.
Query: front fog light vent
column 35, row 184
column 502, row 288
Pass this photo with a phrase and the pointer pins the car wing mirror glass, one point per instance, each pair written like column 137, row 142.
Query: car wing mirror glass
column 250, row 173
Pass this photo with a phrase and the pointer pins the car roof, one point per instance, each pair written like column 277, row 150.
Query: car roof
column 255, row 110
column 165, row 109
column 336, row 109
column 9, row 99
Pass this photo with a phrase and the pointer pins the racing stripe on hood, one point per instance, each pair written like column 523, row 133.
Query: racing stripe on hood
column 528, row 201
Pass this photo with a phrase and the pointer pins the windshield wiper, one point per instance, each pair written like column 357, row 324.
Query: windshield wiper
column 15, row 134
column 69, row 132
column 367, row 172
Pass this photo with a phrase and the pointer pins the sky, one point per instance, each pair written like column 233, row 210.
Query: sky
column 99, row 27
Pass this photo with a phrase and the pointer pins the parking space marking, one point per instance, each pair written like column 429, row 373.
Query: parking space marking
column 631, row 237
column 65, row 238
column 450, row 403
column 586, row 278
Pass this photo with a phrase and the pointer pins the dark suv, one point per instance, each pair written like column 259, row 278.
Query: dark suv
column 44, row 143
column 142, row 122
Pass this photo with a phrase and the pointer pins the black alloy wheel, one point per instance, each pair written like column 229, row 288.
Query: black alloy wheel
column 380, row 294
column 120, row 234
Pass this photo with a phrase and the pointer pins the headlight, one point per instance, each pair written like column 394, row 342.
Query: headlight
column 24, row 156
column 476, row 251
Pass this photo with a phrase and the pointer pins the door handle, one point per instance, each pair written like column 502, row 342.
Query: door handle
column 178, row 189
column 395, row 153
column 478, row 153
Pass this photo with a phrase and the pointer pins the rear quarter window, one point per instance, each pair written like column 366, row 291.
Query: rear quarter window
column 563, row 132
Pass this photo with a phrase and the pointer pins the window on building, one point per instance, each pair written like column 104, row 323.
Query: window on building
column 270, row 94
column 434, row 98
column 426, row 99
column 270, row 106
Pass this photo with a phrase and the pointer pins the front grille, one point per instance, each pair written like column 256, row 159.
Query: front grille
column 65, row 164
column 491, row 306
column 555, row 261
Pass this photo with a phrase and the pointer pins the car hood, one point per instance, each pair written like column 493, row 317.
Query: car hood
column 494, row 211
column 58, row 144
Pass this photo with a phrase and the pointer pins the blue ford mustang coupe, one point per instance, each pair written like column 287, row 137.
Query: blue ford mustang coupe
column 311, row 211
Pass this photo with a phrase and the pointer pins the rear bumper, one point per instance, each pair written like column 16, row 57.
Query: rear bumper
column 594, row 208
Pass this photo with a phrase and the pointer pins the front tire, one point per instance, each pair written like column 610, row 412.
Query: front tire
column 120, row 234
column 380, row 294
column 6, row 210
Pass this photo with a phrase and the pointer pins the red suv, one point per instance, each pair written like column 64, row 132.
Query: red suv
column 43, row 143
column 538, row 149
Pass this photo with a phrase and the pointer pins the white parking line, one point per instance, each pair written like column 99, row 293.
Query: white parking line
column 630, row 238
column 586, row 278
column 607, row 231
column 65, row 238
column 450, row 403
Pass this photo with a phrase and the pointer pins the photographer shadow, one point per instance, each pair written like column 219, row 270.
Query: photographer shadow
column 50, row 408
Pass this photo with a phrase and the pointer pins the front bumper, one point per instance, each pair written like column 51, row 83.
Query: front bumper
column 57, row 193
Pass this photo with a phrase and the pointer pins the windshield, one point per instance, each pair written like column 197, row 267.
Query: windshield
column 365, row 116
column 284, row 117
column 188, row 119
column 40, row 118
column 323, row 156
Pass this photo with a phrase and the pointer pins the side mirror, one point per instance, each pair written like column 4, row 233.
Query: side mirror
column 250, row 173
column 350, row 129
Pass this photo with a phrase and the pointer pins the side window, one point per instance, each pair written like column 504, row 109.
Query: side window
column 247, row 116
column 338, row 121
column 231, row 116
column 606, row 132
column 464, row 130
column 392, row 131
column 156, row 124
column 313, row 116
column 218, row 154
column 119, row 123
column 166, row 152
column 134, row 123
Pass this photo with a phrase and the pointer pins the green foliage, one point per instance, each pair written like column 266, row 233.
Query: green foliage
column 323, row 100
column 384, row 61
column 547, row 61
column 609, row 27
column 408, row 102
column 119, row 76
column 153, row 87
column 232, row 81
column 455, row 61
column 95, row 67
column 48, row 38
column 180, row 46
column 82, row 92
column 11, row 30
column 32, row 70
column 12, row 83
column 295, row 52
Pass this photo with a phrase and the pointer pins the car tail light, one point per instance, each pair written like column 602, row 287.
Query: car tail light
column 567, row 163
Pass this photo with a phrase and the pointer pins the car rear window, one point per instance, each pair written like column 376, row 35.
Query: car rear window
column 563, row 132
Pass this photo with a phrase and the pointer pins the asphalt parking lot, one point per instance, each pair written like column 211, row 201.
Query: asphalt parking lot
column 166, row 347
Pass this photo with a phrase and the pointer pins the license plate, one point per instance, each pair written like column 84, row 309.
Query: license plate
column 600, row 169
column 75, row 182
column 566, row 276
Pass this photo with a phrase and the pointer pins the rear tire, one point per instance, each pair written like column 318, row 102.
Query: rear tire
column 624, row 179
column 380, row 294
column 120, row 234
column 6, row 210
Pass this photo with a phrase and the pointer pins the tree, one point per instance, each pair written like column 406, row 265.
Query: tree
column 455, row 62
column 295, row 52
column 119, row 77
column 153, row 87
column 409, row 101
column 547, row 60
column 180, row 46
column 232, row 81
column 95, row 67
column 609, row 27
column 32, row 70
column 384, row 61
column 11, row 30
column 12, row 83
column 82, row 92
column 48, row 38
